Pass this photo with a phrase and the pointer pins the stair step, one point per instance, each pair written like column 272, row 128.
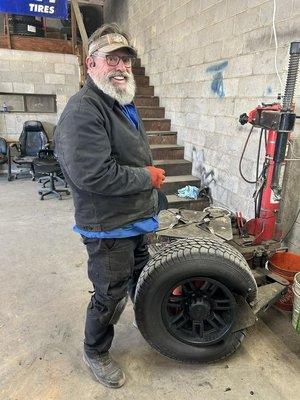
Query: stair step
column 137, row 62
column 157, row 124
column 161, row 137
column 174, row 167
column 173, row 183
column 189, row 204
column 167, row 151
column 138, row 70
column 152, row 112
column 145, row 90
column 142, row 80
column 145, row 101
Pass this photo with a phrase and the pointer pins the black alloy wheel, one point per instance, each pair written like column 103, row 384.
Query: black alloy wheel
column 199, row 311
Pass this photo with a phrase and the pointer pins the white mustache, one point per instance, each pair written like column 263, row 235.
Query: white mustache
column 115, row 74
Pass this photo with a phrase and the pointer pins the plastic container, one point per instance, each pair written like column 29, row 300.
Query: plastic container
column 296, row 306
column 285, row 264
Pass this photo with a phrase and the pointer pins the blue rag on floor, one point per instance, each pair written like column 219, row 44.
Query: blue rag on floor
column 191, row 192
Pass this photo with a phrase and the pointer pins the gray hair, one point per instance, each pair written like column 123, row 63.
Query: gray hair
column 104, row 30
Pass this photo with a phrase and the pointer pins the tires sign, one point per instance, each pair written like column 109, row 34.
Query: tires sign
column 37, row 8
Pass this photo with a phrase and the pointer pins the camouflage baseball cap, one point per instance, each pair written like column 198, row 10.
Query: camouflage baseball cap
column 109, row 43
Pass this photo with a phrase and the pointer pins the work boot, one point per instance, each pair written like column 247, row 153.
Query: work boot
column 105, row 370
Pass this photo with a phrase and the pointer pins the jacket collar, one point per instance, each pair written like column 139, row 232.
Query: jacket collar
column 107, row 99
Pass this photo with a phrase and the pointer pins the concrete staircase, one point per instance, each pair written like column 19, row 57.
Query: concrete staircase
column 163, row 142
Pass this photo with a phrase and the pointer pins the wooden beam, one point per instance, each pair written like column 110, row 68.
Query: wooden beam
column 6, row 23
column 73, row 29
column 37, row 44
column 81, row 26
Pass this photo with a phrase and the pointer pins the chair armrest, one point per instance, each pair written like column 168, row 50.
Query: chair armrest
column 16, row 146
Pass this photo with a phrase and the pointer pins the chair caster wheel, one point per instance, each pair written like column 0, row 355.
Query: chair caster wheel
column 42, row 198
column 67, row 193
column 40, row 192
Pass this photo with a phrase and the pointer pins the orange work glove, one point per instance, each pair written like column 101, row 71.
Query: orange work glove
column 157, row 176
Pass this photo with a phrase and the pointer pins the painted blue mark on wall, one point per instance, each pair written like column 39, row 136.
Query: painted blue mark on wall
column 269, row 90
column 217, row 67
column 217, row 85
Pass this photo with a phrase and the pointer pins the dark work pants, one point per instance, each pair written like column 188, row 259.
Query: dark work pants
column 114, row 266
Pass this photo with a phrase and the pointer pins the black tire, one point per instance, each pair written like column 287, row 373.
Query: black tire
column 182, row 260
column 26, row 19
column 22, row 30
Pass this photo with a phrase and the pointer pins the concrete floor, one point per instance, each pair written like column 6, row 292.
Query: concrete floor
column 43, row 295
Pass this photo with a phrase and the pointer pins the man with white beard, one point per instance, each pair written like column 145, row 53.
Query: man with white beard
column 104, row 154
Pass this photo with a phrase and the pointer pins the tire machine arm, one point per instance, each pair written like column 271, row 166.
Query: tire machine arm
column 279, row 121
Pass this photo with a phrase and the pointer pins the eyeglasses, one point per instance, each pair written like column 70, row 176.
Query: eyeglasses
column 113, row 61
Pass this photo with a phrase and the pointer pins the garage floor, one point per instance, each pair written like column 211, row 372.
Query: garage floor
column 43, row 295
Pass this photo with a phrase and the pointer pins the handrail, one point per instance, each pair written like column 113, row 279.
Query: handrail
column 79, row 20
column 76, row 19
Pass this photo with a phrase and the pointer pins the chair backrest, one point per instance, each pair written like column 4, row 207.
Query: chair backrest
column 3, row 151
column 33, row 138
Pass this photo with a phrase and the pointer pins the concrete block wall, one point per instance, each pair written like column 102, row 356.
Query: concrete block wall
column 210, row 61
column 37, row 73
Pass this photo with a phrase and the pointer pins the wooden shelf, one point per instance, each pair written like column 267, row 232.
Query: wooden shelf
column 36, row 44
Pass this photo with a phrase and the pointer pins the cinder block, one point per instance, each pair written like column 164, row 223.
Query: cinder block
column 72, row 80
column 294, row 248
column 44, row 89
column 284, row 10
column 216, row 13
column 71, row 59
column 233, row 144
column 288, row 31
column 66, row 89
column 4, row 65
column 5, row 54
column 47, row 57
column 252, row 86
column 208, row 3
column 204, row 37
column 244, row 106
column 231, row 87
column 207, row 122
column 20, row 65
column 188, row 151
column 192, row 120
column 62, row 68
column 192, row 9
column 246, row 21
column 58, row 79
column 224, row 106
column 236, row 7
column 10, row 76
column 33, row 77
column 239, row 66
column 43, row 67
column 258, row 39
column 232, row 47
column 226, row 125
column 195, row 57
column 264, row 61
column 221, row 31
column 220, row 195
column 212, row 52
column 23, row 87
column 199, row 21
column 6, row 87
